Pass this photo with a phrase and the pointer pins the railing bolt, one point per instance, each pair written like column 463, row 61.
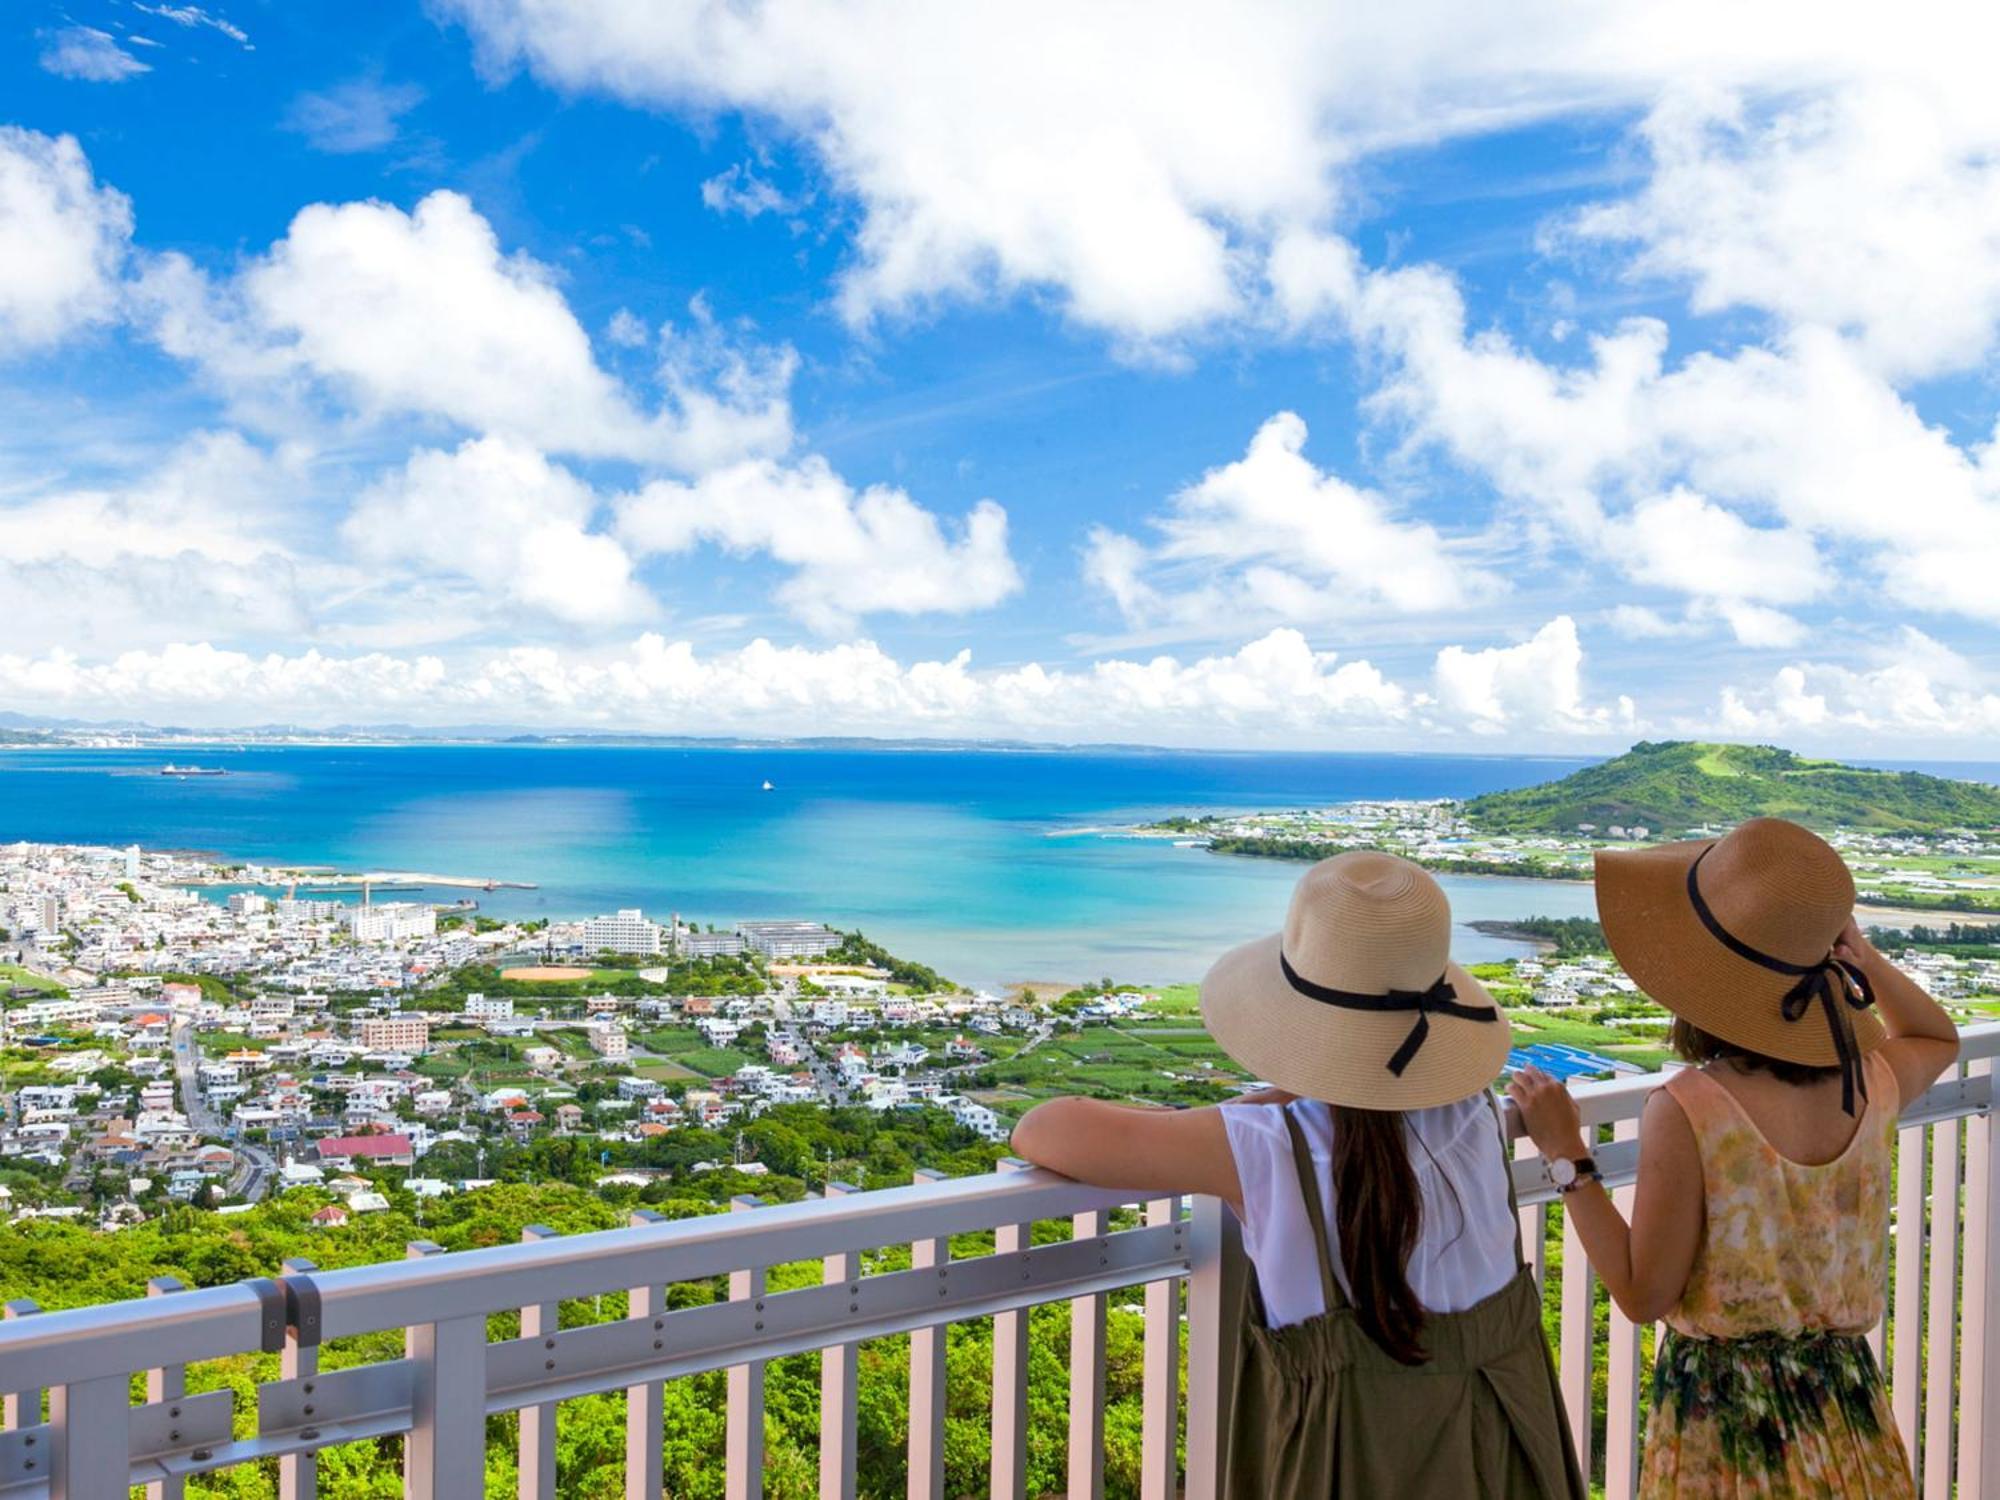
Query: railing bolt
column 854, row 1307
column 941, row 1291
column 202, row 1455
column 760, row 1327
column 307, row 1387
column 658, row 1324
column 760, row 1307
column 548, row 1364
column 28, row 1441
column 309, row 1433
column 854, row 1291
column 173, row 1411
column 308, row 1411
column 174, row 1435
column 659, row 1343
column 548, row 1343
column 29, row 1464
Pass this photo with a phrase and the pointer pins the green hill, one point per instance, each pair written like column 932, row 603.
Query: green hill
column 1673, row 786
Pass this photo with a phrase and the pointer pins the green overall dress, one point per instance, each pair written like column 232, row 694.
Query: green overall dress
column 1321, row 1411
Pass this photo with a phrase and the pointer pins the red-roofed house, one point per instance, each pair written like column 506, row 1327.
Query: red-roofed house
column 377, row 1150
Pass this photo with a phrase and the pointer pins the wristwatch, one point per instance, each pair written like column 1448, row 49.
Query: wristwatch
column 1567, row 1174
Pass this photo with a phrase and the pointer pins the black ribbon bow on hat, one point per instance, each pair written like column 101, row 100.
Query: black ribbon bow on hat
column 1440, row 999
column 1829, row 981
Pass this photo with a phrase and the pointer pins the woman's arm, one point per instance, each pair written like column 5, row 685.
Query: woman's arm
column 1923, row 1040
column 1645, row 1266
column 1126, row 1146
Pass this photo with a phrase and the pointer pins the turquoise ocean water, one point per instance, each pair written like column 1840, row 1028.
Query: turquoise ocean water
column 982, row 863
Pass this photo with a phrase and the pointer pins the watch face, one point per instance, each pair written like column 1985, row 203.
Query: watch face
column 1562, row 1172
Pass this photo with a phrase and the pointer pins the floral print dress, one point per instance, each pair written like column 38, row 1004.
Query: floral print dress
column 1765, row 1385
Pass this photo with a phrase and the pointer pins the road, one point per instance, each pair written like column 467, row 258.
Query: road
column 255, row 1167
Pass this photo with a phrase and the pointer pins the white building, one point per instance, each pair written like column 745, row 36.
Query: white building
column 390, row 922
column 789, row 939
column 689, row 943
column 489, row 1007
column 625, row 931
column 609, row 1041
column 248, row 904
column 48, row 915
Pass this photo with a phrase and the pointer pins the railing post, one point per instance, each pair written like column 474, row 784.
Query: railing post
column 1621, row 1423
column 1940, row 1334
column 743, row 1477
column 22, row 1408
column 927, row 1372
column 535, row 1463
column 444, row 1456
column 645, row 1411
column 1979, row 1379
column 1086, row 1373
column 1009, row 1473
column 298, row 1473
column 1218, row 1274
column 166, row 1383
column 91, row 1443
column 1534, row 1219
column 1906, row 1353
column 839, row 1374
column 1159, row 1462
column 1579, row 1338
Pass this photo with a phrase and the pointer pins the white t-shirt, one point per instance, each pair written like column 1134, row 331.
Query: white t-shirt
column 1465, row 1249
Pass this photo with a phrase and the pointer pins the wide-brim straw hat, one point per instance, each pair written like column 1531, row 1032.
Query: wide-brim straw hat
column 1776, row 896
column 1357, row 1001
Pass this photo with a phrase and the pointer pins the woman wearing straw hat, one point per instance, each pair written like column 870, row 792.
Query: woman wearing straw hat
column 1398, row 1347
column 1761, row 1214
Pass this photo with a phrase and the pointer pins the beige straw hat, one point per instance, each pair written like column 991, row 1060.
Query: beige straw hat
column 1736, row 935
column 1357, row 1001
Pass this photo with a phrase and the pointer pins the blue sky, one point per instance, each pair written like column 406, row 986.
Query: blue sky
column 1373, row 377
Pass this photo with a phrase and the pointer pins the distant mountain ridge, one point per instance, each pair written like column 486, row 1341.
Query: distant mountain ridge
column 1676, row 786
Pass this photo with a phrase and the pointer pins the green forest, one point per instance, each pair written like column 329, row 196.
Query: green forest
column 1674, row 786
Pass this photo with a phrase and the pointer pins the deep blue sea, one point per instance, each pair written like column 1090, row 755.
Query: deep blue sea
column 982, row 863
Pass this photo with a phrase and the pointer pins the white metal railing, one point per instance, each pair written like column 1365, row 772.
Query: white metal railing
column 1943, row 1358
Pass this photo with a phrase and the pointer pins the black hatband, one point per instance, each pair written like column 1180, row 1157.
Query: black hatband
column 1440, row 999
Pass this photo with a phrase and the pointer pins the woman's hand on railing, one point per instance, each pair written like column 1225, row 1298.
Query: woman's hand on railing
column 1548, row 1114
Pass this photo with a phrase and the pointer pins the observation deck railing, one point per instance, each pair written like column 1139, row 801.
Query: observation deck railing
column 1940, row 1342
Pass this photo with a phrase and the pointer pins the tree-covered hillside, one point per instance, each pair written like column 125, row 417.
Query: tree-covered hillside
column 1672, row 786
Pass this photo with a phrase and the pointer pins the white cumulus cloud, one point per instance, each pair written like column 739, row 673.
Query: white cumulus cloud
column 424, row 314
column 501, row 517
column 1915, row 689
column 63, row 240
column 1273, row 536
column 1872, row 209
column 851, row 552
column 1275, row 689
column 1537, row 682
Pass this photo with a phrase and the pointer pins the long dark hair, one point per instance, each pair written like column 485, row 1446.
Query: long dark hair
column 1694, row 1045
column 1377, row 1213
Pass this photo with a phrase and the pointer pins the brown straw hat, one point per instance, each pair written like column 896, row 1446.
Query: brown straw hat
column 1736, row 935
column 1357, row 1001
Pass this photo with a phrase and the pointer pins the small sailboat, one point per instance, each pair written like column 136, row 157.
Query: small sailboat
column 767, row 787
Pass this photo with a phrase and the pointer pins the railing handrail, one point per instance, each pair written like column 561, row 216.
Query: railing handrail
column 453, row 1377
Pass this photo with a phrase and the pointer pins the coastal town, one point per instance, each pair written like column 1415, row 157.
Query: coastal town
column 178, row 1030
column 1956, row 871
